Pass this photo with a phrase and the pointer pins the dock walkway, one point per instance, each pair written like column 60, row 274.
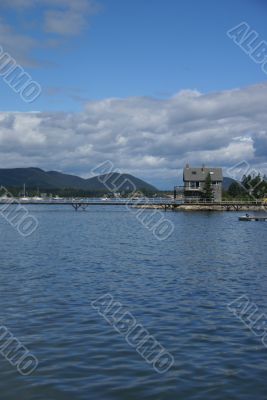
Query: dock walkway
column 162, row 203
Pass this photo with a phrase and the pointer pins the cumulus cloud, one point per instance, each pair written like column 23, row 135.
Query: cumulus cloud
column 148, row 137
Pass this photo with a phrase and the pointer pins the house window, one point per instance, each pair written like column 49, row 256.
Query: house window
column 194, row 185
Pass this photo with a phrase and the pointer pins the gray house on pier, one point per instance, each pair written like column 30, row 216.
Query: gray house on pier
column 194, row 182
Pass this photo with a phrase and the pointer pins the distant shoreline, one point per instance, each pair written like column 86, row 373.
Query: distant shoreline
column 208, row 207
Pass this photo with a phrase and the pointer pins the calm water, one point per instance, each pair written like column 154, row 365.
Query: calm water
column 177, row 289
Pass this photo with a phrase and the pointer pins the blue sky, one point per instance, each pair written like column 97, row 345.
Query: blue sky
column 83, row 53
column 138, row 48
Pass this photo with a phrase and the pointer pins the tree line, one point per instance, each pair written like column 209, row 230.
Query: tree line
column 250, row 187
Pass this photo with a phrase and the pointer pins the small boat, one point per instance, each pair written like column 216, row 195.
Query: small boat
column 37, row 198
column 4, row 198
column 104, row 199
column 24, row 198
column 248, row 217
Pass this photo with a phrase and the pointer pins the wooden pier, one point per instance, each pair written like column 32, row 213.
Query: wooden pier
column 160, row 203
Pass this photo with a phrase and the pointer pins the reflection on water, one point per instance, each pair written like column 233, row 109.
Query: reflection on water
column 177, row 289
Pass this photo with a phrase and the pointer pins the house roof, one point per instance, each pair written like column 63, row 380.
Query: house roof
column 200, row 174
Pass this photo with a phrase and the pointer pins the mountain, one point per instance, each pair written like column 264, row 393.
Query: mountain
column 227, row 182
column 51, row 180
column 125, row 182
column 35, row 178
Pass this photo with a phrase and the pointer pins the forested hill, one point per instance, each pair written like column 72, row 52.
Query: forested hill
column 37, row 178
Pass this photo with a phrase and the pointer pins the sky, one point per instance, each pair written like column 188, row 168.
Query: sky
column 148, row 84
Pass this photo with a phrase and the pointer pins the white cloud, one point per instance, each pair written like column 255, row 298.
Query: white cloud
column 67, row 17
column 147, row 137
column 64, row 22
column 18, row 45
column 59, row 19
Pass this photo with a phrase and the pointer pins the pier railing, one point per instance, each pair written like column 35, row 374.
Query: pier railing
column 167, row 203
column 224, row 202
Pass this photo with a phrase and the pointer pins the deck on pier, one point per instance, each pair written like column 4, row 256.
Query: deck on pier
column 167, row 204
